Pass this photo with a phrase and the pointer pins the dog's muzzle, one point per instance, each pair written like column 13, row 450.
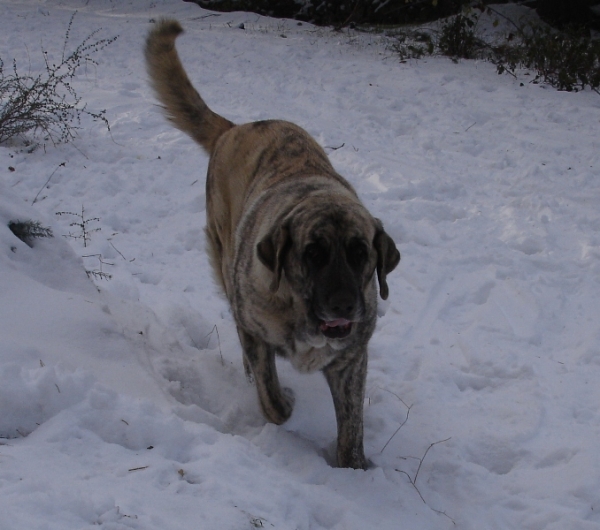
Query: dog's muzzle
column 336, row 329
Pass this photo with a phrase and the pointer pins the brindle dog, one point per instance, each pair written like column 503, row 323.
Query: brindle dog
column 290, row 243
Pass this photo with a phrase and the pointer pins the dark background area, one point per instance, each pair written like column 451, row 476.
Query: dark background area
column 340, row 13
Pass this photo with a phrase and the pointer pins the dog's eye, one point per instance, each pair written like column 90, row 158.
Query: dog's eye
column 357, row 254
column 316, row 255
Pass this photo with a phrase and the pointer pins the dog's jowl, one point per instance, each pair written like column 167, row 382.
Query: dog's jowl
column 297, row 254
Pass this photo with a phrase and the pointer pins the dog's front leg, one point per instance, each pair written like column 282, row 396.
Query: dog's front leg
column 259, row 360
column 347, row 385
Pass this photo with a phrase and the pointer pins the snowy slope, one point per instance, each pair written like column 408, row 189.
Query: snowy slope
column 123, row 404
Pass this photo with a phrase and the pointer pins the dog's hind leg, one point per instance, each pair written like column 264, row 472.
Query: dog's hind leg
column 259, row 363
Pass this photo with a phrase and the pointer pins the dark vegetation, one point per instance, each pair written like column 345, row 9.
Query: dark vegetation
column 567, row 59
column 29, row 230
column 559, row 48
column 340, row 13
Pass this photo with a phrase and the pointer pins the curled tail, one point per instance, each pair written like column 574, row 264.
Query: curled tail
column 183, row 105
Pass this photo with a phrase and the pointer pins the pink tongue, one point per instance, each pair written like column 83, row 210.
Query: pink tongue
column 338, row 322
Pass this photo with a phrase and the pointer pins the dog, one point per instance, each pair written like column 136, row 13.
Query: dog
column 290, row 243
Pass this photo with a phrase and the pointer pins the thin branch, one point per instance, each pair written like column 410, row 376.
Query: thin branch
column 423, row 458
column 413, row 480
column 335, row 148
column 412, row 484
column 519, row 28
column 117, row 250
column 405, row 419
column 215, row 328
column 47, row 182
column 138, row 468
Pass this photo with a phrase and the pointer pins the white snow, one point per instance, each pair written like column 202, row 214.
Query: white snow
column 124, row 404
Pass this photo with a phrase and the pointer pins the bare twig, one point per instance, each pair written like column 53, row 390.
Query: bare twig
column 215, row 328
column 413, row 480
column 423, row 458
column 138, row 468
column 83, row 225
column 62, row 164
column 118, row 251
column 402, row 424
column 98, row 274
column 335, row 148
column 509, row 20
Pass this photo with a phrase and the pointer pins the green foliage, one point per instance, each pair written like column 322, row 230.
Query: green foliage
column 567, row 60
column 47, row 102
column 413, row 45
column 29, row 230
column 457, row 37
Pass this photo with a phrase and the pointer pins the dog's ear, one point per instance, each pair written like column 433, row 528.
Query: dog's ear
column 387, row 258
column 271, row 251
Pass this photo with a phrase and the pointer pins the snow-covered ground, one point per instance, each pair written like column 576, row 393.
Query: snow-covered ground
column 124, row 404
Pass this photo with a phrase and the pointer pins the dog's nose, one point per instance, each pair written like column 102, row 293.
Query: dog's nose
column 342, row 305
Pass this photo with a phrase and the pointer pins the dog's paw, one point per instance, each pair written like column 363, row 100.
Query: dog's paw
column 353, row 457
column 279, row 409
column 286, row 405
column 289, row 397
column 248, row 373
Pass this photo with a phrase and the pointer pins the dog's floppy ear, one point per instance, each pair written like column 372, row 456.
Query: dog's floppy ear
column 271, row 251
column 387, row 258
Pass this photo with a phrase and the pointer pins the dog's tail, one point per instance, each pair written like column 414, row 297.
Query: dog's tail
column 183, row 105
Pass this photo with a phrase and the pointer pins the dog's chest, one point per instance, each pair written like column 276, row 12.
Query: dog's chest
column 306, row 358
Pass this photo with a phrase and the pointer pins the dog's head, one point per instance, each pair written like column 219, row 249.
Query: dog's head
column 327, row 255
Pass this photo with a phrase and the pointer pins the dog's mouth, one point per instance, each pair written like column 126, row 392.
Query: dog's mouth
column 336, row 329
